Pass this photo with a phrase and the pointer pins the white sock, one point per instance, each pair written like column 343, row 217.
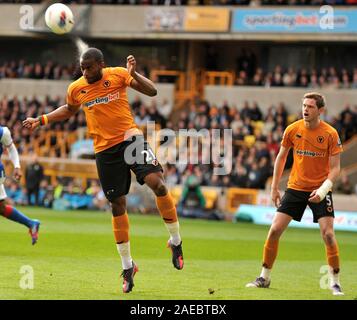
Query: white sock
column 334, row 277
column 265, row 273
column 124, row 252
column 174, row 231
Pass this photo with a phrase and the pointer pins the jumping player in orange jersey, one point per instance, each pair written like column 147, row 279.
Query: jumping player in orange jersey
column 102, row 93
column 317, row 149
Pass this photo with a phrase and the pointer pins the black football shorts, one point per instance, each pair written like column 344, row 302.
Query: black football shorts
column 114, row 165
column 294, row 203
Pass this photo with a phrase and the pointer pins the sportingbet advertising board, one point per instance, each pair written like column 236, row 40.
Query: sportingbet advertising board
column 346, row 221
column 324, row 20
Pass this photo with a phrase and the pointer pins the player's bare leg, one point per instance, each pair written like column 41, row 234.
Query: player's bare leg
column 332, row 253
column 167, row 209
column 120, row 222
column 280, row 223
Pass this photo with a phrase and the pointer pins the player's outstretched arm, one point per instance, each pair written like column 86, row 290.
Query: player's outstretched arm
column 140, row 83
column 278, row 171
column 60, row 114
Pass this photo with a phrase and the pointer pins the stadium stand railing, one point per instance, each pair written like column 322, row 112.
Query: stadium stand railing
column 191, row 83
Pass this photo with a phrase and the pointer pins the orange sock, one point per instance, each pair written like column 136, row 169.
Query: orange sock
column 333, row 257
column 167, row 208
column 121, row 228
column 270, row 253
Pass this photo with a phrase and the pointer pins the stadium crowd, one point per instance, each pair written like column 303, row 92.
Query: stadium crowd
column 253, row 160
column 50, row 70
column 14, row 110
column 247, row 73
column 252, row 163
column 201, row 115
column 23, row 69
column 279, row 77
column 65, row 194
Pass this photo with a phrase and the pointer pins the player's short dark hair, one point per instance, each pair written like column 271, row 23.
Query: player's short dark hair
column 319, row 98
column 93, row 53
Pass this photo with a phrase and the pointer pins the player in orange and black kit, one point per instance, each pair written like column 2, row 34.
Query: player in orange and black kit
column 317, row 149
column 119, row 147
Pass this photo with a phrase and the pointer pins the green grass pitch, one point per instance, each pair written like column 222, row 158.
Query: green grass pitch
column 76, row 258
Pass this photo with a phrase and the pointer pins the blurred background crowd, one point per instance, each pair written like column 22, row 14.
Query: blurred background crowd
column 256, row 141
column 247, row 72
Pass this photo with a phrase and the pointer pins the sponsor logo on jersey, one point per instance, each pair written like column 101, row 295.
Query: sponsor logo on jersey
column 102, row 100
column 308, row 153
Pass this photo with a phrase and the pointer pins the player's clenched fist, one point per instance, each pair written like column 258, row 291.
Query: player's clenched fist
column 31, row 123
column 131, row 64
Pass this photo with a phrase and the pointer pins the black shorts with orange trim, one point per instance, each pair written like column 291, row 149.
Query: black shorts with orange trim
column 294, row 203
column 114, row 165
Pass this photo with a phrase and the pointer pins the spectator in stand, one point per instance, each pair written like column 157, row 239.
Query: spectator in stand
column 96, row 194
column 245, row 110
column 239, row 177
column 354, row 81
column 349, row 128
column 313, row 82
column 255, row 177
column 248, row 128
column 345, row 82
column 171, row 176
column 33, row 176
column 289, row 78
column 242, row 79
column 258, row 78
column 155, row 116
column 237, row 122
column 277, row 77
column 269, row 124
column 142, row 118
column 281, row 111
column 265, row 170
column 215, row 180
column 227, row 182
column 46, row 194
column 14, row 192
column 136, row 104
column 255, row 113
column 238, row 134
column 272, row 145
column 165, row 109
